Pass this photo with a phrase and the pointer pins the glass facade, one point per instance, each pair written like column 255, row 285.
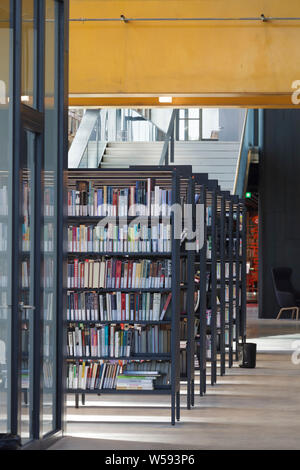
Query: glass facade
column 198, row 124
column 49, row 233
column 26, row 282
column 5, row 214
column 27, row 81
column 33, row 156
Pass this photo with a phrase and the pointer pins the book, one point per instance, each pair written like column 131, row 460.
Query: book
column 165, row 307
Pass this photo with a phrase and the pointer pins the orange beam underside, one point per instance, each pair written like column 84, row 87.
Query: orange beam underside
column 245, row 101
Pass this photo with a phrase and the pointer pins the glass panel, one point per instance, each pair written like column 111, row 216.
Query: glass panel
column 210, row 123
column 5, row 216
column 182, row 113
column 27, row 52
column 182, row 129
column 194, row 130
column 193, row 113
column 27, row 283
column 48, row 248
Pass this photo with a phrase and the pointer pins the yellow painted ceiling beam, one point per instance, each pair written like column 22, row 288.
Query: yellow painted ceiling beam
column 232, row 63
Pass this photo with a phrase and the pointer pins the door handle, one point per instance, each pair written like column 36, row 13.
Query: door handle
column 26, row 307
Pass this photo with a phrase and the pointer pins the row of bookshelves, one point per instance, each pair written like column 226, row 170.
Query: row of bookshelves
column 138, row 295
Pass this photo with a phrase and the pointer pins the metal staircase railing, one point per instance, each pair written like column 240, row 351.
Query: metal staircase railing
column 247, row 146
column 168, row 147
column 93, row 121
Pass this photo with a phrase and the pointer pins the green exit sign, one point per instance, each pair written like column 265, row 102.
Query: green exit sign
column 248, row 195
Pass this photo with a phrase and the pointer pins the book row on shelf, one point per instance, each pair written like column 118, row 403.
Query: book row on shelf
column 3, row 201
column 47, row 373
column 138, row 292
column 4, row 310
column 120, row 375
column 144, row 198
column 118, row 274
column 234, row 249
column 117, row 341
column 118, row 306
column 3, row 236
column 227, row 270
column 48, row 200
column 48, row 306
column 136, row 237
column 48, row 272
column 47, row 278
column 47, row 242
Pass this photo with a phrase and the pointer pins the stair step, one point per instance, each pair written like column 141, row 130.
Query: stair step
column 217, row 159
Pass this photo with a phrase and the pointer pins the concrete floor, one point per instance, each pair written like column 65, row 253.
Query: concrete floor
column 247, row 409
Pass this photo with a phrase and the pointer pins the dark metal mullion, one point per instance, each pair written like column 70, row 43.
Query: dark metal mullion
column 15, row 376
column 203, row 280
column 39, row 78
column 213, row 288
column 200, row 124
column 237, row 281
column 222, row 279
column 186, row 125
column 190, row 302
column 61, row 99
column 230, row 247
column 175, row 339
column 244, row 275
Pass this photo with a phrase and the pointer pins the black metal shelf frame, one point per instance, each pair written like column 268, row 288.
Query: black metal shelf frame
column 171, row 177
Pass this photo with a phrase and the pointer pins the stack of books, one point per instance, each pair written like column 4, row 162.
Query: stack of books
column 138, row 380
column 93, row 375
column 103, row 374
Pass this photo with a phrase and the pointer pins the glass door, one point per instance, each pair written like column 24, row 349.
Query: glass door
column 27, row 305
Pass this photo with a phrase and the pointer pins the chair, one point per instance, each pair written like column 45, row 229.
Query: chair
column 287, row 297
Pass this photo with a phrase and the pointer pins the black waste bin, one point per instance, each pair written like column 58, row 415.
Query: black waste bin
column 247, row 355
column 10, row 442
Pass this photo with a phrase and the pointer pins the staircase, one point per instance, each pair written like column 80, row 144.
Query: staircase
column 218, row 159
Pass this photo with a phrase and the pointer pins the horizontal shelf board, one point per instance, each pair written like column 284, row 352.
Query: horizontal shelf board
column 142, row 357
column 121, row 322
column 134, row 289
column 158, row 391
column 129, row 254
column 97, row 218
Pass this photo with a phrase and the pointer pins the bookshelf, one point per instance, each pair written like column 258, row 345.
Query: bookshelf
column 212, row 225
column 220, row 264
column 222, row 310
column 187, row 317
column 201, row 190
column 146, row 329
column 229, row 219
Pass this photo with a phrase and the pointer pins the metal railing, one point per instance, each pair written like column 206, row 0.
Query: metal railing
column 168, row 147
column 124, row 19
column 244, row 159
column 91, row 126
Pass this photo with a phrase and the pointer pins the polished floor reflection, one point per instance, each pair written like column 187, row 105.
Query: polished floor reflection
column 247, row 409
